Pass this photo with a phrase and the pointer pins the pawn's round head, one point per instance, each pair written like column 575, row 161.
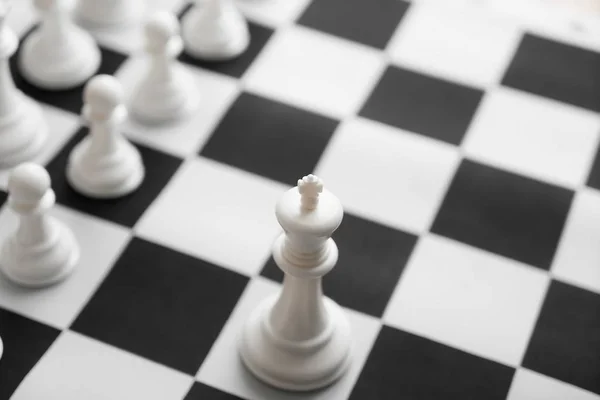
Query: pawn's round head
column 160, row 28
column 103, row 93
column 28, row 183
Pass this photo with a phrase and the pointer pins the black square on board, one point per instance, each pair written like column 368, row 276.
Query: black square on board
column 126, row 210
column 405, row 366
column 162, row 305
column 200, row 391
column 25, row 342
column 556, row 70
column 371, row 260
column 423, row 104
column 259, row 36
column 504, row 213
column 269, row 138
column 566, row 340
column 357, row 20
column 594, row 178
column 71, row 99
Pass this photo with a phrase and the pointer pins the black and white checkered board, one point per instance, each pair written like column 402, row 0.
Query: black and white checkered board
column 464, row 148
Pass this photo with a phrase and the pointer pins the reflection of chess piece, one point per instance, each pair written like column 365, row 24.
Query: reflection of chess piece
column 165, row 93
column 23, row 130
column 299, row 339
column 215, row 30
column 108, row 14
column 43, row 250
column 105, row 164
column 58, row 54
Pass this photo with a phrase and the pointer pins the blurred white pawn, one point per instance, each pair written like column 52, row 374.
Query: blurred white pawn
column 215, row 30
column 58, row 55
column 166, row 92
column 108, row 14
column 105, row 164
column 43, row 250
column 23, row 130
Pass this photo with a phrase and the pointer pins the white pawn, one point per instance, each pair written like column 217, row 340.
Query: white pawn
column 301, row 340
column 23, row 130
column 165, row 93
column 108, row 14
column 43, row 250
column 58, row 55
column 105, row 164
column 215, row 30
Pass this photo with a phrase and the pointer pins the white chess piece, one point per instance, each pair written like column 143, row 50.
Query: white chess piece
column 105, row 164
column 108, row 14
column 23, row 130
column 43, row 250
column 301, row 340
column 58, row 55
column 166, row 93
column 215, row 30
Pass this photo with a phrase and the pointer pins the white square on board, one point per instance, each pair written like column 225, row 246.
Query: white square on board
column 61, row 126
column 315, row 71
column 216, row 92
column 224, row 369
column 469, row 299
column 218, row 213
column 100, row 242
column 77, row 367
column 533, row 136
column 529, row 385
column 416, row 170
column 574, row 22
column 461, row 43
column 577, row 258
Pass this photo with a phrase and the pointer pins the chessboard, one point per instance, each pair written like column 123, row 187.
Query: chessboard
column 464, row 147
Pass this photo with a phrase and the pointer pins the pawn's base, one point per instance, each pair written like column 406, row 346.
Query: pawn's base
column 202, row 46
column 296, row 366
column 116, row 176
column 47, row 70
column 214, row 53
column 43, row 265
column 23, row 135
column 163, row 106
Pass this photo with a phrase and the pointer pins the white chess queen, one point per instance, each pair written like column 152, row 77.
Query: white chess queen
column 301, row 340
